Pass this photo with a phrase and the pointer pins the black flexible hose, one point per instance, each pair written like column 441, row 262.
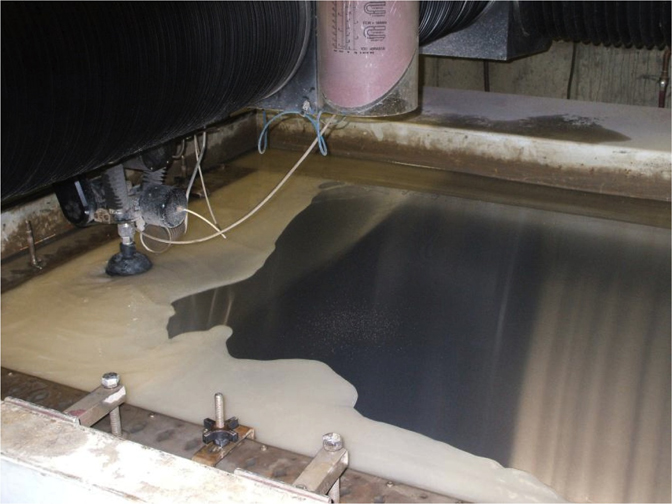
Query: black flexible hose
column 632, row 23
column 440, row 18
column 85, row 84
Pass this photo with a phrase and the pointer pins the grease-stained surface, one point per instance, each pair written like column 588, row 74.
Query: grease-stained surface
column 592, row 147
column 573, row 128
column 538, row 339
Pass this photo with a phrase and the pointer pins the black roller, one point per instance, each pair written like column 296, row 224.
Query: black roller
column 665, row 22
column 85, row 84
column 630, row 24
column 440, row 18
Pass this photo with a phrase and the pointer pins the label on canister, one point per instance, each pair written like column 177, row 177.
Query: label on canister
column 364, row 49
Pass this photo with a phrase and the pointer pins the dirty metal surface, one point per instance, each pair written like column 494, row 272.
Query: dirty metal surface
column 44, row 460
column 45, row 217
column 597, row 148
column 285, row 466
column 183, row 439
column 464, row 185
column 141, row 426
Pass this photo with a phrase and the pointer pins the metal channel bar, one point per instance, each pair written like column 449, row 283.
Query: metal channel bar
column 184, row 439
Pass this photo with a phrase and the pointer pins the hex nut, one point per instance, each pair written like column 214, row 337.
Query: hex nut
column 332, row 441
column 110, row 380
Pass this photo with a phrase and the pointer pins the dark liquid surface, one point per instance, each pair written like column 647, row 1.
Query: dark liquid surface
column 429, row 304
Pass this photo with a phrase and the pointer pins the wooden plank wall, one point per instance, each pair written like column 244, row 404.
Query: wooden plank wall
column 604, row 74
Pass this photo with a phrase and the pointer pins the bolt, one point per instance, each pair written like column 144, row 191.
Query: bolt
column 302, row 487
column 152, row 415
column 264, row 447
column 126, row 231
column 35, row 262
column 389, row 484
column 332, row 442
column 115, row 422
column 110, row 380
column 219, row 411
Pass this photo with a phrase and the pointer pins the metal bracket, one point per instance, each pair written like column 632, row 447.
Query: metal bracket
column 324, row 471
column 102, row 401
column 320, row 480
column 279, row 485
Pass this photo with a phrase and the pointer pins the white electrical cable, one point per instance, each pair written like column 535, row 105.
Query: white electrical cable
column 258, row 206
column 207, row 199
column 157, row 239
column 199, row 158
column 142, row 240
column 200, row 154
column 211, row 224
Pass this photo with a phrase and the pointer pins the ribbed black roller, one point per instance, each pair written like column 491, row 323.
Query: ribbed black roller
column 440, row 18
column 549, row 23
column 654, row 23
column 597, row 12
column 622, row 27
column 569, row 21
column 665, row 22
column 529, row 21
column 612, row 24
column 558, row 19
column 630, row 24
column 645, row 11
column 588, row 20
column 633, row 24
column 581, row 22
column 85, row 84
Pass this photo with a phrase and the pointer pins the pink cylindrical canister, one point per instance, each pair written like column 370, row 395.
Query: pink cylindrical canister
column 368, row 57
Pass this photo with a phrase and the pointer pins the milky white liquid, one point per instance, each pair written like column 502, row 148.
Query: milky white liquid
column 75, row 323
